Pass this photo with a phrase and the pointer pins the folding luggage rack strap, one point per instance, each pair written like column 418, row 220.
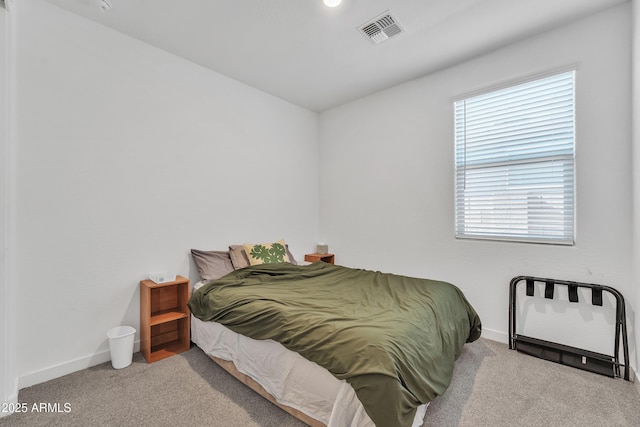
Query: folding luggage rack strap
column 621, row 322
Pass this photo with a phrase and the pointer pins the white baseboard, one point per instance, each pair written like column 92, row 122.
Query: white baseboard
column 66, row 368
column 494, row 335
column 8, row 403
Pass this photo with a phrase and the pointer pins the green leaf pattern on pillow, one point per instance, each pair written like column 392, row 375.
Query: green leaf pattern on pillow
column 270, row 255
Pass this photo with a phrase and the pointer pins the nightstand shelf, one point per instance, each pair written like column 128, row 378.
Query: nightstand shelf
column 328, row 258
column 166, row 350
column 164, row 318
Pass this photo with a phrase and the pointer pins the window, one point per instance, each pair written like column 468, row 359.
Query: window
column 514, row 160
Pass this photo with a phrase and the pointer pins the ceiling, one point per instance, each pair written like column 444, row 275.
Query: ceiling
column 314, row 56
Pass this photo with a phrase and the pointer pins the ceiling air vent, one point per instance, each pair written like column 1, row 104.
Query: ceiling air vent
column 381, row 28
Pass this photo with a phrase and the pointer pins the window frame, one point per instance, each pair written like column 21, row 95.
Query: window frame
column 462, row 225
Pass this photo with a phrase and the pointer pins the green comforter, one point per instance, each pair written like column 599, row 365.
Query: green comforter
column 393, row 338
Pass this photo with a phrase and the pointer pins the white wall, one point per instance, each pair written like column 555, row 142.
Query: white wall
column 636, row 165
column 8, row 372
column 387, row 188
column 127, row 158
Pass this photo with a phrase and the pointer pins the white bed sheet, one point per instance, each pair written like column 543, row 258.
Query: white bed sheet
column 290, row 378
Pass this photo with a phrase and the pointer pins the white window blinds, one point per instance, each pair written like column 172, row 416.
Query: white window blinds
column 514, row 162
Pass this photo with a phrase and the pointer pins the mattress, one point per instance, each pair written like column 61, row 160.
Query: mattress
column 291, row 379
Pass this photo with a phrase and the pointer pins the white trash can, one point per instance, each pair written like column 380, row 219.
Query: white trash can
column 121, row 345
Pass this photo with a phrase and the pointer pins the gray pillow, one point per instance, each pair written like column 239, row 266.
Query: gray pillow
column 238, row 256
column 212, row 265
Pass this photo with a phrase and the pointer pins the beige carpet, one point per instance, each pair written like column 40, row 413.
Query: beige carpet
column 495, row 386
column 492, row 387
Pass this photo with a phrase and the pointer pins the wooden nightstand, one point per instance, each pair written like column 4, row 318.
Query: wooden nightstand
column 320, row 257
column 164, row 318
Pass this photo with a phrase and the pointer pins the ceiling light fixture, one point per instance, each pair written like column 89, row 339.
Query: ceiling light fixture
column 332, row 3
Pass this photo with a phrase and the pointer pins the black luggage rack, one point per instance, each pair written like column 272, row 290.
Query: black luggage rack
column 608, row 365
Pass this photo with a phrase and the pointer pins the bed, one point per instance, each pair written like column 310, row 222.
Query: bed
column 331, row 345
